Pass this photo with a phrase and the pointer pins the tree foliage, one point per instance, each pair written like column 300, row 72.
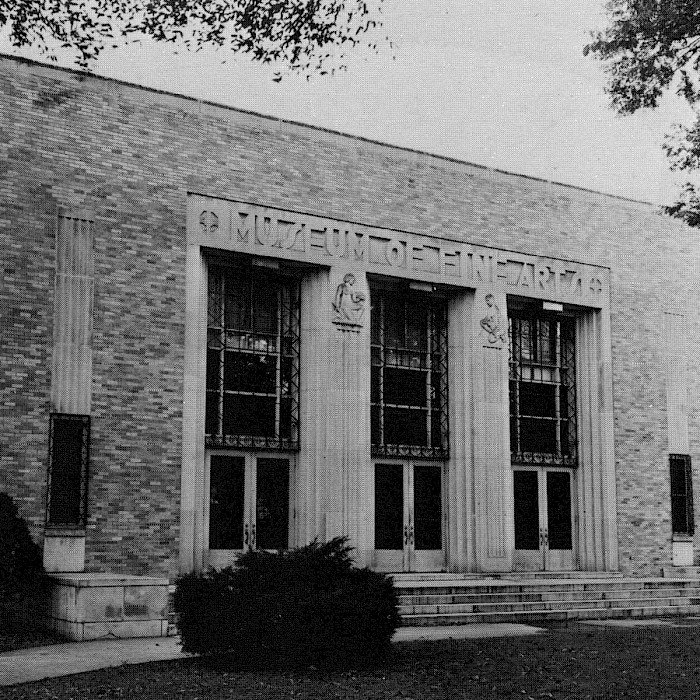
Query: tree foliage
column 303, row 35
column 651, row 47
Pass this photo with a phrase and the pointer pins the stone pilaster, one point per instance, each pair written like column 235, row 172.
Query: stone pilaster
column 493, row 477
column 311, row 488
column 676, row 369
column 71, row 364
column 595, row 476
column 192, row 475
column 348, row 465
column 460, row 467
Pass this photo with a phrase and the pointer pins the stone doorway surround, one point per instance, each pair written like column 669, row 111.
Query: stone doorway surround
column 334, row 475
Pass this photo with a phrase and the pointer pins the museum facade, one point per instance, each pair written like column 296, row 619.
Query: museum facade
column 223, row 331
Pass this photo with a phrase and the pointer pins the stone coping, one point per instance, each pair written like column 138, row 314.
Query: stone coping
column 89, row 579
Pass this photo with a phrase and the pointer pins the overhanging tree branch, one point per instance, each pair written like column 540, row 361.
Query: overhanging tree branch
column 302, row 35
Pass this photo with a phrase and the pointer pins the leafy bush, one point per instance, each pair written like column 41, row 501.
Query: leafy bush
column 306, row 607
column 21, row 569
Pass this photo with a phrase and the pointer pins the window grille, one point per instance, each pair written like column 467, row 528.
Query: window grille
column 69, row 455
column 252, row 386
column 409, row 376
column 542, row 390
column 682, row 516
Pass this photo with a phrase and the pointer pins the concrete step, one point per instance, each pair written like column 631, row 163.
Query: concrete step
column 507, row 576
column 534, row 615
column 681, row 572
column 565, row 596
column 518, row 606
column 453, row 587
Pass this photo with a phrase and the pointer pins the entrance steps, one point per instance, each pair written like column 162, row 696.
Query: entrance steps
column 458, row 599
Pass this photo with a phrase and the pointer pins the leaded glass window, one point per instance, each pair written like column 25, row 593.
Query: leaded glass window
column 682, row 517
column 409, row 375
column 69, row 455
column 542, row 390
column 252, row 384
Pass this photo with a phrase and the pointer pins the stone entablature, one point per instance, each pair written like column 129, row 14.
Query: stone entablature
column 269, row 232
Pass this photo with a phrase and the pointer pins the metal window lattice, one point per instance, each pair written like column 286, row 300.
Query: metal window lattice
column 239, row 333
column 430, row 360
column 682, row 512
column 66, row 499
column 543, row 356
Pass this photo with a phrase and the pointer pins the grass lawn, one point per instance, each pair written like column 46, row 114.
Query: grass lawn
column 575, row 661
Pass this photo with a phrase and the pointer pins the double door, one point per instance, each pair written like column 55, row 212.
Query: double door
column 248, row 505
column 543, row 519
column 408, row 517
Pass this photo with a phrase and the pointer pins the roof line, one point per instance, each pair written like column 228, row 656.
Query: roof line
column 87, row 74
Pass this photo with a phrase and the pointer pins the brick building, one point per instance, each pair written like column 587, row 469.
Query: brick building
column 221, row 330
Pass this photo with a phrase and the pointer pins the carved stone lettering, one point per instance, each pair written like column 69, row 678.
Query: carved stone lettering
column 243, row 232
column 209, row 223
column 395, row 253
column 358, row 245
column 429, row 258
column 481, row 268
column 336, row 242
column 525, row 278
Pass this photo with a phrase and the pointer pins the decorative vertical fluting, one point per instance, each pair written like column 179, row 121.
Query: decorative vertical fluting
column 676, row 370
column 71, row 376
column 193, row 410
column 676, row 361
column 311, row 484
column 348, row 465
column 71, row 362
column 595, row 476
column 460, row 467
column 493, row 477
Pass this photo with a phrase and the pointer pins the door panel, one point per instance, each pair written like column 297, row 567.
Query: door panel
column 559, row 553
column 408, row 517
column 425, row 519
column 543, row 519
column 248, row 506
column 272, row 504
column 526, row 510
column 390, row 527
column 559, row 510
column 226, row 502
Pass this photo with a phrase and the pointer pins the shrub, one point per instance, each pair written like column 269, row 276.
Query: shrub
column 21, row 569
column 306, row 607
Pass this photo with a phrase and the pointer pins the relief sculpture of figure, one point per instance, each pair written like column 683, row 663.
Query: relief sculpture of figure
column 492, row 323
column 349, row 304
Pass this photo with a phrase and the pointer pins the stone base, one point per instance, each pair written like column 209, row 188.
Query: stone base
column 89, row 606
column 683, row 552
column 64, row 551
column 681, row 572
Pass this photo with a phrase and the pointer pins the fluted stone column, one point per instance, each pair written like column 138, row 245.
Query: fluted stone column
column 493, row 477
column 312, row 488
column 460, row 467
column 71, row 363
column 595, row 476
column 348, row 468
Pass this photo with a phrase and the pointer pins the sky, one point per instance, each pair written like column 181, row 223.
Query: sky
column 500, row 83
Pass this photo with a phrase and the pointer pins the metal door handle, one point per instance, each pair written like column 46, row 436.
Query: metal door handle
column 411, row 535
column 405, row 534
column 253, row 537
column 246, row 536
column 545, row 540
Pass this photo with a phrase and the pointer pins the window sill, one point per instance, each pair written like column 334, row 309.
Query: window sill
column 64, row 531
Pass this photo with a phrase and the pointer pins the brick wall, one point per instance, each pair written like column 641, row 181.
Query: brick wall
column 131, row 155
